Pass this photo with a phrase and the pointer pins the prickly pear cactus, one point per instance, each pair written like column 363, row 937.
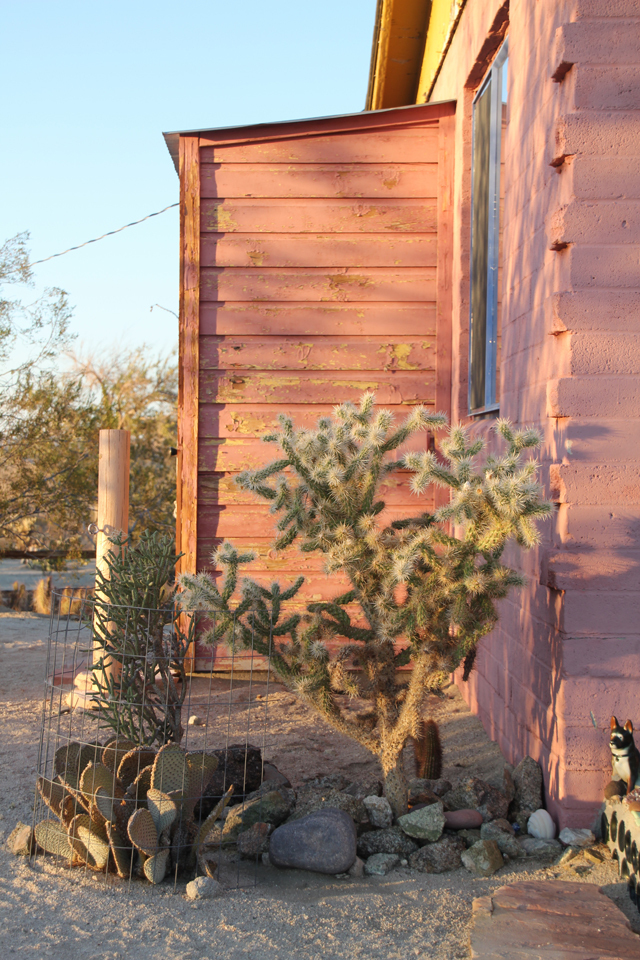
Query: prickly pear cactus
column 128, row 808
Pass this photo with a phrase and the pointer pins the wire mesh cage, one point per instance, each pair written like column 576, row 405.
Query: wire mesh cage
column 146, row 772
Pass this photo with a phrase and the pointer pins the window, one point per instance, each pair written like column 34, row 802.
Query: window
column 487, row 193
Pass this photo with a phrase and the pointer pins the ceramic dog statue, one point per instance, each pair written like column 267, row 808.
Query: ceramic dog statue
column 625, row 757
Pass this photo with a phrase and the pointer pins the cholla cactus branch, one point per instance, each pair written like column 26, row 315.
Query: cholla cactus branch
column 419, row 595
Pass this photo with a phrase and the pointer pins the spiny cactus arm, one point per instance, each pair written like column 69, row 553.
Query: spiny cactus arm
column 427, row 470
column 418, row 419
column 339, row 621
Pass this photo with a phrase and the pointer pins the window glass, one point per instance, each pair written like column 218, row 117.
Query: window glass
column 489, row 129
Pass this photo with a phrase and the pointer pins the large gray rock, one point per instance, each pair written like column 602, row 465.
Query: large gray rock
column 323, row 841
column 438, row 857
column 392, row 840
column 425, row 824
column 379, row 812
column 475, row 794
column 380, row 864
column 270, row 808
column 483, row 858
column 502, row 832
column 527, row 780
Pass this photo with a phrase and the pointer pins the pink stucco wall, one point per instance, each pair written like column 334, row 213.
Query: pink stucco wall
column 568, row 644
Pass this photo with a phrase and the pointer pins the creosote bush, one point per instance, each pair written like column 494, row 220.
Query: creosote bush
column 324, row 490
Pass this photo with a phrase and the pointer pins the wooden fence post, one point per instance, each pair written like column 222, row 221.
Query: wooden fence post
column 113, row 517
column 113, row 490
column 113, row 504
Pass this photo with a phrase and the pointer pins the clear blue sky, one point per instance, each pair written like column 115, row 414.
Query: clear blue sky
column 88, row 89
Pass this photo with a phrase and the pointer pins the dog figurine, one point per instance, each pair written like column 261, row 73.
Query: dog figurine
column 625, row 757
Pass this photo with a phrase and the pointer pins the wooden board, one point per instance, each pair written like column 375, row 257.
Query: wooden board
column 324, row 272
column 371, row 180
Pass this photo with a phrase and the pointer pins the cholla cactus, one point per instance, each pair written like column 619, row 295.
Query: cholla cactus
column 419, row 594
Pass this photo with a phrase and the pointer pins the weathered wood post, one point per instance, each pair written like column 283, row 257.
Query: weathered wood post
column 113, row 517
column 113, row 504
column 113, row 490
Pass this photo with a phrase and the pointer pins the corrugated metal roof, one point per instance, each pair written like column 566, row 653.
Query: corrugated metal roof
column 172, row 138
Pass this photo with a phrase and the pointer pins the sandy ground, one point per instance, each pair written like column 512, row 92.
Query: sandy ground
column 49, row 911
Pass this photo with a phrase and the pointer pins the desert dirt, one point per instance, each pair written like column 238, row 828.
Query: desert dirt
column 48, row 910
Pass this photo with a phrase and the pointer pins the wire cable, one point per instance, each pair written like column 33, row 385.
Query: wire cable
column 109, row 234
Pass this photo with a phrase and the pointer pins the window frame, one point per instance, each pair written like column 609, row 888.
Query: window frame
column 491, row 79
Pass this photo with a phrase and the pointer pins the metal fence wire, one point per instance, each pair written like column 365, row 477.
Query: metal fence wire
column 141, row 767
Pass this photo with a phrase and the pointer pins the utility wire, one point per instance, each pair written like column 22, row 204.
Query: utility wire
column 109, row 234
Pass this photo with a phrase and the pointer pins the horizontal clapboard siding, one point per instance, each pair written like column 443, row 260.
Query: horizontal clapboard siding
column 320, row 263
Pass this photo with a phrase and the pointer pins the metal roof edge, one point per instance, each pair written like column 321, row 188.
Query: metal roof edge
column 172, row 138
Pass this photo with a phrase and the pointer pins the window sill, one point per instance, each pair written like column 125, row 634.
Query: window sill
column 485, row 413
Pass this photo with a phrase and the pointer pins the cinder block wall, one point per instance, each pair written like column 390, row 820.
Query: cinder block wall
column 567, row 646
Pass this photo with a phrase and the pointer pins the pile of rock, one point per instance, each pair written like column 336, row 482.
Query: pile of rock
column 334, row 826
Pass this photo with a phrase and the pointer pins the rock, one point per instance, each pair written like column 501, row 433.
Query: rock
column 425, row 824
column 380, row 864
column 272, row 775
column 463, row 819
column 578, row 837
column 420, row 791
column 592, row 856
column 364, row 788
column 357, row 868
column 438, row 857
column 521, row 817
column 509, row 787
column 310, row 801
column 527, row 780
column 483, row 858
column 470, row 836
column 481, row 796
column 21, row 840
column 334, row 781
column 552, row 919
column 268, row 786
column 196, row 721
column 504, row 825
column 567, row 855
column 323, row 841
column 239, row 765
column 252, row 843
column 505, row 838
column 391, row 840
column 204, row 888
column 544, row 849
column 379, row 812
column 270, row 808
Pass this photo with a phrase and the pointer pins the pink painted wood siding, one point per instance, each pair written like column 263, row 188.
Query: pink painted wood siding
column 320, row 278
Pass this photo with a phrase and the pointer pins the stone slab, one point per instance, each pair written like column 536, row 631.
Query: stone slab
column 550, row 920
